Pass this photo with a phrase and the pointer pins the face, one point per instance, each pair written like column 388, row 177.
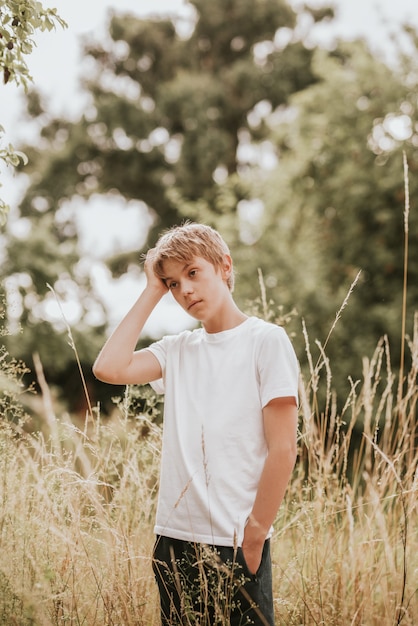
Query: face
column 198, row 286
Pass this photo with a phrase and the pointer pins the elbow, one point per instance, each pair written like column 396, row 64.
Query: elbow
column 99, row 373
column 103, row 372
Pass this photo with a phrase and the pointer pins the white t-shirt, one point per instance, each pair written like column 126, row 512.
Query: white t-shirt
column 216, row 385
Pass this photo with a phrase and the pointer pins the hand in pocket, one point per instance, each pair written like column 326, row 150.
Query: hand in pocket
column 252, row 555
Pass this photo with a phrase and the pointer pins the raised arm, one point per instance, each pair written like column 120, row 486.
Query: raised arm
column 118, row 362
column 280, row 428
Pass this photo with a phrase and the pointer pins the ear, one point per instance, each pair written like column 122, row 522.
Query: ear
column 226, row 267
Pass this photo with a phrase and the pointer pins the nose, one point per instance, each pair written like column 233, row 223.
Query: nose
column 186, row 287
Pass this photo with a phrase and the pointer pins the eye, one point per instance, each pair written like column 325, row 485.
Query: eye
column 172, row 285
column 192, row 273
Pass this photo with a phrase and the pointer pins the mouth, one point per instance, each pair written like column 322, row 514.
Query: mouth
column 192, row 304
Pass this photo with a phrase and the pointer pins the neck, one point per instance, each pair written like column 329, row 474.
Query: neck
column 228, row 319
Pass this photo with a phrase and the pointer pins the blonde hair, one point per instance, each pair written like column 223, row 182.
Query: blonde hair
column 182, row 243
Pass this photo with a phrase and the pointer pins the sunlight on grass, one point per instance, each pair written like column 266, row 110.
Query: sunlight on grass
column 77, row 511
column 78, row 504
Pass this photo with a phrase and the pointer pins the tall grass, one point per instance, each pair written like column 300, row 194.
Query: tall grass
column 349, row 529
column 77, row 504
column 77, row 510
column 76, row 524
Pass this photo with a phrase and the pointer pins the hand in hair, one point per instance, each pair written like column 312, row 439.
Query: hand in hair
column 153, row 281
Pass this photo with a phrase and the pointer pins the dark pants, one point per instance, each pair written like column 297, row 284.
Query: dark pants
column 204, row 585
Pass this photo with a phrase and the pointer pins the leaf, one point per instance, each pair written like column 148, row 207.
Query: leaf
column 22, row 156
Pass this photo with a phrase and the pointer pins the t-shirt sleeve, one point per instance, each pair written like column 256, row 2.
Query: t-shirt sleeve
column 278, row 367
column 159, row 350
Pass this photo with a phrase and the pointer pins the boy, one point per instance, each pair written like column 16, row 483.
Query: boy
column 229, row 434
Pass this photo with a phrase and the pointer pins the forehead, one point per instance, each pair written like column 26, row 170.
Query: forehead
column 174, row 267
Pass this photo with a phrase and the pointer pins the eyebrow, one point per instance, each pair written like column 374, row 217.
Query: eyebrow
column 182, row 270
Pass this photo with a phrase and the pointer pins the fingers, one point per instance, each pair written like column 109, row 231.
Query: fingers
column 152, row 278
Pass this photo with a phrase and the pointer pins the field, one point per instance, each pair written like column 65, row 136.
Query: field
column 77, row 507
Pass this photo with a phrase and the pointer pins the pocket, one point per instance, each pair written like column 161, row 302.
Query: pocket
column 241, row 560
column 157, row 546
column 156, row 558
column 161, row 554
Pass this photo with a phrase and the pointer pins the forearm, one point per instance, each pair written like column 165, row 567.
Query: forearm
column 117, row 353
column 280, row 426
column 271, row 490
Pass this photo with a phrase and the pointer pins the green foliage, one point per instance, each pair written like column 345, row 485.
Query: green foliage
column 12, row 386
column 337, row 199
column 166, row 121
column 181, row 123
column 12, row 157
column 19, row 23
column 9, row 155
column 12, row 383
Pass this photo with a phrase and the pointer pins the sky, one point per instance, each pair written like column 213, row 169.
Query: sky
column 56, row 66
column 56, row 63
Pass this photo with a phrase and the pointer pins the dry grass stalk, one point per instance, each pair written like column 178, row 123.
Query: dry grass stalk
column 77, row 508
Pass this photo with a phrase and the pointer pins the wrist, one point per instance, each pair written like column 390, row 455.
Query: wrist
column 156, row 290
column 255, row 529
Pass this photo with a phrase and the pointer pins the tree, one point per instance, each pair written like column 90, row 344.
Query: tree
column 19, row 22
column 165, row 126
column 337, row 199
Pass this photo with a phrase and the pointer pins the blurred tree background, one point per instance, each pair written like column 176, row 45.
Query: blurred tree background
column 19, row 22
column 294, row 152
